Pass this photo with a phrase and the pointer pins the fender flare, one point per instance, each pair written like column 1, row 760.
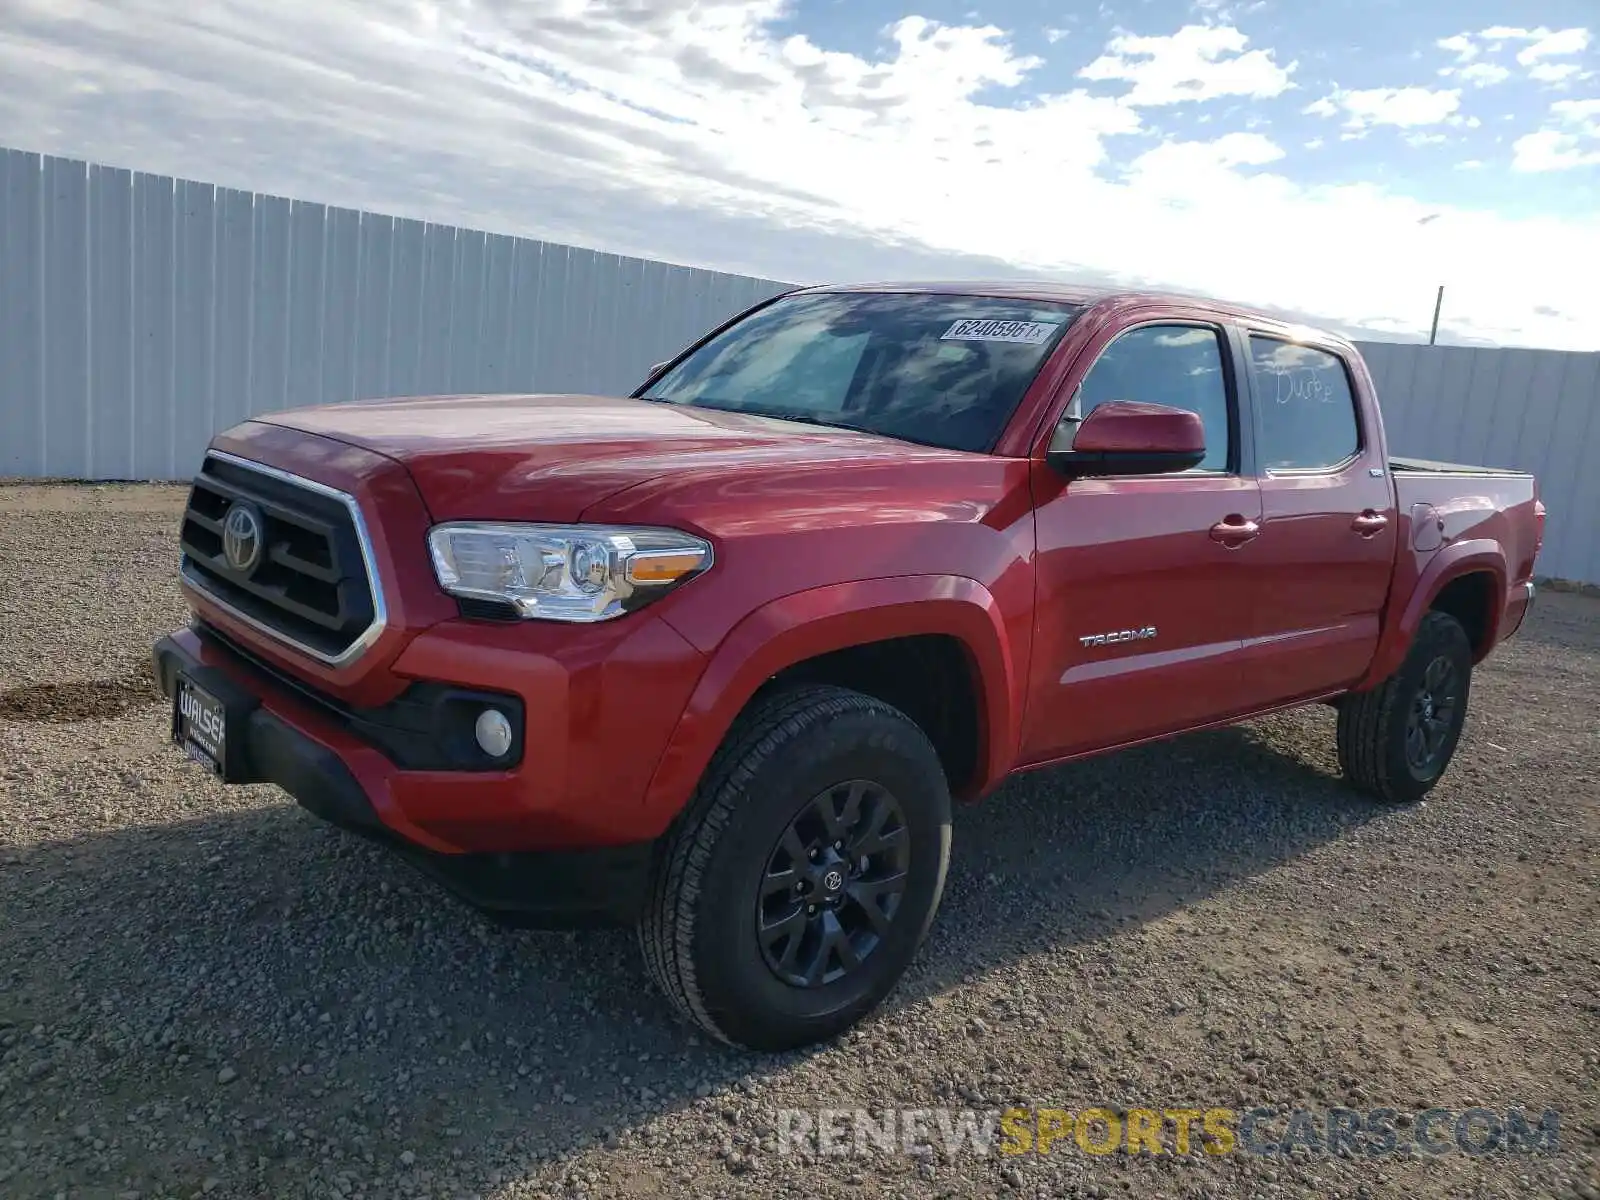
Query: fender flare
column 803, row 625
column 1449, row 564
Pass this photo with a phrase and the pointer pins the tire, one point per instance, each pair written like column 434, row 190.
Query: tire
column 786, row 758
column 1377, row 740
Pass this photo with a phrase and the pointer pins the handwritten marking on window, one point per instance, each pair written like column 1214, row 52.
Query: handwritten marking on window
column 1306, row 385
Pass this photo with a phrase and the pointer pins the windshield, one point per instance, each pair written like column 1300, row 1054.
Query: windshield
column 940, row 370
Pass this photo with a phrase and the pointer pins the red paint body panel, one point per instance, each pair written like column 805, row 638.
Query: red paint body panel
column 1320, row 586
column 826, row 539
column 601, row 703
column 805, row 624
column 1482, row 524
column 501, row 457
column 1126, row 554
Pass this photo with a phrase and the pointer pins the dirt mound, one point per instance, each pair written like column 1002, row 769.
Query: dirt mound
column 83, row 700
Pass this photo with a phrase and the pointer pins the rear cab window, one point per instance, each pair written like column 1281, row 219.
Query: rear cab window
column 1305, row 407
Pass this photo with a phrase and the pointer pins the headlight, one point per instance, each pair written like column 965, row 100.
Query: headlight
column 564, row 572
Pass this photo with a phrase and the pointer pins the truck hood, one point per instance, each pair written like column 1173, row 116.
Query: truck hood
column 549, row 457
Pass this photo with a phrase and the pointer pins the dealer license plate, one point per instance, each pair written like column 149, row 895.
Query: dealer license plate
column 200, row 725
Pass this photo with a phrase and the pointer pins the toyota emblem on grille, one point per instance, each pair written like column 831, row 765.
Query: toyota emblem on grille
column 242, row 537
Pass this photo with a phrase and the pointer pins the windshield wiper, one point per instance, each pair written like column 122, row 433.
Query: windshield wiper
column 804, row 418
column 780, row 414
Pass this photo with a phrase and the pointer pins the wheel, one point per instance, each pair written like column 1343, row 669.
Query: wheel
column 1396, row 740
column 797, row 885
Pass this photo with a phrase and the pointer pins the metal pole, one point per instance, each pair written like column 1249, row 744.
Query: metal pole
column 1438, row 303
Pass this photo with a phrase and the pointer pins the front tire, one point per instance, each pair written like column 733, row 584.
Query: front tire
column 797, row 886
column 1396, row 740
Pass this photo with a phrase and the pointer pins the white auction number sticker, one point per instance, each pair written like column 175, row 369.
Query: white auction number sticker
column 1029, row 333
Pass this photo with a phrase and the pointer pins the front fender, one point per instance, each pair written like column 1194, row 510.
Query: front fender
column 806, row 624
column 1452, row 562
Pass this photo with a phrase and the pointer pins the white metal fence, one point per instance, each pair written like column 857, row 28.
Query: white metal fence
column 139, row 314
column 1535, row 410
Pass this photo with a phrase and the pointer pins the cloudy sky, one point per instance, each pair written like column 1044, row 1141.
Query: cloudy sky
column 1333, row 161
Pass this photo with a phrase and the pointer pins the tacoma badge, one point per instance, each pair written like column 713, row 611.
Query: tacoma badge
column 1121, row 635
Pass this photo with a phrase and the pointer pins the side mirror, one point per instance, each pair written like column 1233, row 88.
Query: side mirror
column 1126, row 437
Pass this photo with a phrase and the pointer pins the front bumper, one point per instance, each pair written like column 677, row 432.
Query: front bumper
column 331, row 771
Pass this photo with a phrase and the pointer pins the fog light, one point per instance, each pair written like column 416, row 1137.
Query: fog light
column 493, row 732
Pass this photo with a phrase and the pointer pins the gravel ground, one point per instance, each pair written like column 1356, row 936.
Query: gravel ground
column 206, row 991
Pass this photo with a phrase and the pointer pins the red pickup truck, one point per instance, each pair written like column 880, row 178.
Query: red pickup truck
column 714, row 659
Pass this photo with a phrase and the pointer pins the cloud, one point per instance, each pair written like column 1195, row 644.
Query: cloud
column 1199, row 62
column 1178, row 171
column 710, row 131
column 1553, row 72
column 1538, row 45
column 1226, row 12
column 1551, row 150
column 1570, row 139
column 1479, row 74
column 1545, row 44
column 1543, row 41
column 1585, row 113
column 1403, row 107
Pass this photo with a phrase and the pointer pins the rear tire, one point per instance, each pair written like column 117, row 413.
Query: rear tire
column 1396, row 740
column 800, row 881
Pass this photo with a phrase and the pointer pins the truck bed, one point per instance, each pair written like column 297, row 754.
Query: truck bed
column 1465, row 503
column 1424, row 466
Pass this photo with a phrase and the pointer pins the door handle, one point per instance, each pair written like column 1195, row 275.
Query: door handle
column 1369, row 523
column 1234, row 531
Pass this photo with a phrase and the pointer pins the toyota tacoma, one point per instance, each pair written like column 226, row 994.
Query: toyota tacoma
column 715, row 659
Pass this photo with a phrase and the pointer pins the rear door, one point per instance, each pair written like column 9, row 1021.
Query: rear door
column 1327, row 546
column 1143, row 583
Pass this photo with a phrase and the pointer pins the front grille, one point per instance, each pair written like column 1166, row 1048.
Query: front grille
column 310, row 586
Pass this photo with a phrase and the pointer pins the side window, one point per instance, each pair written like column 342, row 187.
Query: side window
column 1308, row 415
column 1179, row 365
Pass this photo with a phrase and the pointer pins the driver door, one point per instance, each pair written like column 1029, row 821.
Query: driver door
column 1160, row 563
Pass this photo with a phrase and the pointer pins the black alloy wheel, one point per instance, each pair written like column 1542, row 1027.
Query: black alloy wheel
column 793, row 891
column 1397, row 739
column 1432, row 717
column 833, row 884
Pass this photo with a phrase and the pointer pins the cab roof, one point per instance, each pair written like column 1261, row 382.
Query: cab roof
column 1049, row 291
